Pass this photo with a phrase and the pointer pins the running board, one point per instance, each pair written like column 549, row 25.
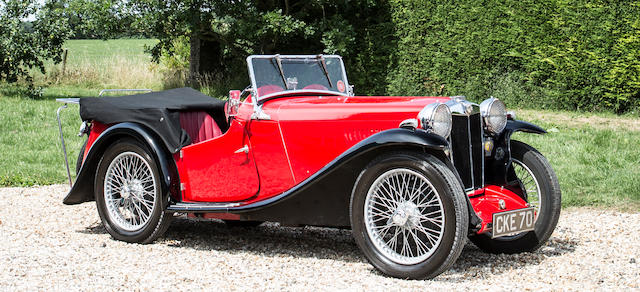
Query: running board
column 201, row 207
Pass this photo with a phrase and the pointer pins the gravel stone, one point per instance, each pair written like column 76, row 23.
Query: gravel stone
column 45, row 245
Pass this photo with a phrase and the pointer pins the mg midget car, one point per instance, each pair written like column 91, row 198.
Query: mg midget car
column 413, row 177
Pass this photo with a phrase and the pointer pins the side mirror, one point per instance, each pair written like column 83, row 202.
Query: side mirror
column 233, row 104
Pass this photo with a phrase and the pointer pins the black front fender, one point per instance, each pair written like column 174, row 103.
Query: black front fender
column 498, row 167
column 522, row 126
column 83, row 188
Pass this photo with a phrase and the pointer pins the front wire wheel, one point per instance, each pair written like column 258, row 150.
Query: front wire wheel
column 529, row 183
column 128, row 193
column 404, row 216
column 408, row 215
column 543, row 193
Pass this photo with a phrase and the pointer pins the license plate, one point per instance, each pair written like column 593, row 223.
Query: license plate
column 513, row 222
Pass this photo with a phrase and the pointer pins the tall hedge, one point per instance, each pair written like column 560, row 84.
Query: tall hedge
column 546, row 53
column 563, row 54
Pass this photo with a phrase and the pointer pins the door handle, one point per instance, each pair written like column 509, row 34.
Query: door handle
column 244, row 149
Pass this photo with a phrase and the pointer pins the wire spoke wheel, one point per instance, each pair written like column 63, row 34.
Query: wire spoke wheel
column 129, row 191
column 530, row 184
column 404, row 216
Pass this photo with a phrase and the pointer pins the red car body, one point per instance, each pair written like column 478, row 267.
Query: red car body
column 283, row 154
column 307, row 156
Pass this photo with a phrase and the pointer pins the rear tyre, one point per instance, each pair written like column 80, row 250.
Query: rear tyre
column 409, row 215
column 81, row 156
column 128, row 193
column 543, row 192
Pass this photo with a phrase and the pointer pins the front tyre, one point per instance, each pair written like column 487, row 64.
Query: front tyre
column 128, row 193
column 543, row 193
column 408, row 215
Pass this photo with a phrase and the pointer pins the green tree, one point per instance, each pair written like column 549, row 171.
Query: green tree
column 25, row 47
column 221, row 34
column 94, row 19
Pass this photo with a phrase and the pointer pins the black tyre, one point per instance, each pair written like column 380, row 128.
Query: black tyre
column 81, row 156
column 241, row 223
column 543, row 192
column 409, row 215
column 128, row 193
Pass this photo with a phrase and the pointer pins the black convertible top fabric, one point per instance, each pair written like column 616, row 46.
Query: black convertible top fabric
column 159, row 111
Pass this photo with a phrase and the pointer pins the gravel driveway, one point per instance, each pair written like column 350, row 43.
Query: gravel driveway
column 46, row 245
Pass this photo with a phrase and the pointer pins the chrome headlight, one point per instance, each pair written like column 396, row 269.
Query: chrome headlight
column 437, row 118
column 494, row 113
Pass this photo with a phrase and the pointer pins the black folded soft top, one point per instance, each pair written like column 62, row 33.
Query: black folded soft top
column 159, row 111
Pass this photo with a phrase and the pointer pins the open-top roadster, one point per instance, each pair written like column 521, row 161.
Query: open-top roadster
column 413, row 177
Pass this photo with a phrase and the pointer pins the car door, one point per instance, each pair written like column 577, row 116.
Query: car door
column 221, row 169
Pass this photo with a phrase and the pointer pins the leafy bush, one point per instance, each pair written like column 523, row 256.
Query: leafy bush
column 550, row 54
column 25, row 47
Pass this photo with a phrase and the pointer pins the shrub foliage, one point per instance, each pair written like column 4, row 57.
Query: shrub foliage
column 545, row 53
column 561, row 54
column 25, row 46
column 578, row 54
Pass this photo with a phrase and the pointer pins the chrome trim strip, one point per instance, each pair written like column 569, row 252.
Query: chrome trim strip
column 200, row 207
column 302, row 92
column 473, row 179
column 483, row 156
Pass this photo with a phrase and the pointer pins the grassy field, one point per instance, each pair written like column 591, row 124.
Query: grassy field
column 98, row 64
column 596, row 156
column 597, row 163
column 29, row 140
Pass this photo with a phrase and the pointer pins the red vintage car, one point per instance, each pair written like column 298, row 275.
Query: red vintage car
column 413, row 177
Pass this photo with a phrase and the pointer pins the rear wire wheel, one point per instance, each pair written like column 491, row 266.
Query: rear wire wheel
column 128, row 193
column 409, row 215
column 543, row 193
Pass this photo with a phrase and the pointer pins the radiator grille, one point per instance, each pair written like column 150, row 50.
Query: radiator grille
column 466, row 149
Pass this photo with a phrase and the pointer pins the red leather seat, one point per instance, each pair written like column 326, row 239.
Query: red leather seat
column 316, row 87
column 268, row 89
column 199, row 125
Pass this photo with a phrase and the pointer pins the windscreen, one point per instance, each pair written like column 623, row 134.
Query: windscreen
column 276, row 74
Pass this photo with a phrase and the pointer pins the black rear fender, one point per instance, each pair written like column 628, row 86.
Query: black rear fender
column 82, row 189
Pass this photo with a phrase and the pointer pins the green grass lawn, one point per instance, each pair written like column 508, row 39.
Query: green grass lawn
column 596, row 156
column 596, row 166
column 96, row 64
column 29, row 140
column 29, row 144
column 102, row 53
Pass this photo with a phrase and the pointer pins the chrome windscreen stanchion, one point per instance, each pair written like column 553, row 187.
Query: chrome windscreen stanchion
column 64, row 148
